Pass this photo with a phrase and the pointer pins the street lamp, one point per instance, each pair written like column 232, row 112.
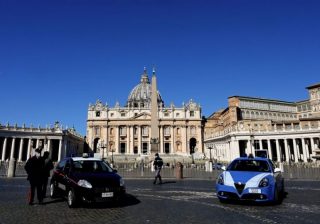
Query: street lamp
column 102, row 146
column 112, row 151
column 210, row 147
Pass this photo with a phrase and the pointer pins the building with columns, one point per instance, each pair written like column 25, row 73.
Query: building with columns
column 289, row 131
column 19, row 143
column 127, row 130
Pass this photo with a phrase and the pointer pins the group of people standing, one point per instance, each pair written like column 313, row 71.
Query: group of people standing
column 38, row 168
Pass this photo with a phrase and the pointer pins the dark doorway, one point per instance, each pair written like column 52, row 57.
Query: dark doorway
column 167, row 148
column 192, row 145
column 144, row 148
column 95, row 144
column 122, row 147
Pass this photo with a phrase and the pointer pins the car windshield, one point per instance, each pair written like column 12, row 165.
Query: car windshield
column 84, row 166
column 249, row 165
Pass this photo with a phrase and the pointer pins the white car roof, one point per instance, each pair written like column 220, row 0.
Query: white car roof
column 85, row 159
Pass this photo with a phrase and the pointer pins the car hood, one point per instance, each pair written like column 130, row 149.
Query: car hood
column 99, row 179
column 249, row 178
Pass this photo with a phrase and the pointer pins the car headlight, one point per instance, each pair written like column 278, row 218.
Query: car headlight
column 264, row 182
column 84, row 183
column 121, row 182
column 220, row 180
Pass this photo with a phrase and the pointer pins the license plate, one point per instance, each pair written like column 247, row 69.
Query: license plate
column 254, row 191
column 107, row 194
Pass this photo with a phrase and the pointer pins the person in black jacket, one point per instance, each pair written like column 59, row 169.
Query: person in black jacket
column 157, row 163
column 34, row 168
column 48, row 166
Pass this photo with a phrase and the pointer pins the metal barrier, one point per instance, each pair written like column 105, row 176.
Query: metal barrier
column 140, row 170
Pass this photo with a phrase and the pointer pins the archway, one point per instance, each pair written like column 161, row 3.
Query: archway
column 192, row 145
column 95, row 145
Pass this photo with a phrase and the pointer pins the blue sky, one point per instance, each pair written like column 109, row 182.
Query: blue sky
column 57, row 56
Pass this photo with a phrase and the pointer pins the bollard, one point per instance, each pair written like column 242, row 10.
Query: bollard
column 12, row 168
column 179, row 171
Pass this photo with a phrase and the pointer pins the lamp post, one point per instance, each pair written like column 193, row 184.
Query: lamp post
column 112, row 151
column 210, row 147
column 192, row 152
column 102, row 146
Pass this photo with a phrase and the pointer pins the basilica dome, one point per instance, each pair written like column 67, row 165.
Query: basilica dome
column 140, row 95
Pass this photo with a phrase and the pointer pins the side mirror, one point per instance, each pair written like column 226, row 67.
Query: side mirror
column 115, row 171
column 223, row 168
column 277, row 170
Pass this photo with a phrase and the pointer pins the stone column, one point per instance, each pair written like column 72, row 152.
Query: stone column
column 269, row 149
column 278, row 150
column 48, row 145
column 132, row 139
column 200, row 147
column 295, row 150
column 286, row 149
column 29, row 148
column 186, row 140
column 260, row 144
column 234, row 147
column 60, row 150
column 20, row 150
column 304, row 150
column 117, row 142
column 128, row 140
column 37, row 144
column 161, row 150
column 139, row 140
column 4, row 149
column 13, row 144
column 248, row 149
column 173, row 149
column 312, row 148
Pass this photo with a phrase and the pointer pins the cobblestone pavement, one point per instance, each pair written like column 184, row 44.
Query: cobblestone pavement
column 185, row 201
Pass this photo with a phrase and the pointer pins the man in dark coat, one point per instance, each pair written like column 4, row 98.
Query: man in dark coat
column 157, row 163
column 34, row 168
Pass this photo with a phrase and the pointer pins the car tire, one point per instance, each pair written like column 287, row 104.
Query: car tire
column 276, row 200
column 53, row 190
column 223, row 201
column 71, row 198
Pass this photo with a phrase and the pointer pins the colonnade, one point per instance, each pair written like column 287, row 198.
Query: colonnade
column 280, row 148
column 20, row 148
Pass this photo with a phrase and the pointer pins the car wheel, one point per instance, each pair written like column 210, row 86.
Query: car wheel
column 276, row 196
column 71, row 198
column 223, row 200
column 53, row 190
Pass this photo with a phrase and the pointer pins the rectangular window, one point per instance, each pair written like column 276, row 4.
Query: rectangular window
column 123, row 131
column 97, row 113
column 191, row 113
column 167, row 131
column 145, row 131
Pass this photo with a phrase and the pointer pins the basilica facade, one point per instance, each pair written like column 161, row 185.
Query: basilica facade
column 288, row 131
column 128, row 129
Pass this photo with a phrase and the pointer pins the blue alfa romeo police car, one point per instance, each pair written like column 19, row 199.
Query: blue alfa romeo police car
column 250, row 178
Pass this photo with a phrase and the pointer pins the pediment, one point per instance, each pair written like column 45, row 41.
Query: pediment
column 142, row 116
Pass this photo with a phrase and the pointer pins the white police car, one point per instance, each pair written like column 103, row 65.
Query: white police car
column 248, row 178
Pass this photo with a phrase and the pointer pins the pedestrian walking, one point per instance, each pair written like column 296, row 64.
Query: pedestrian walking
column 157, row 164
column 34, row 168
column 48, row 166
